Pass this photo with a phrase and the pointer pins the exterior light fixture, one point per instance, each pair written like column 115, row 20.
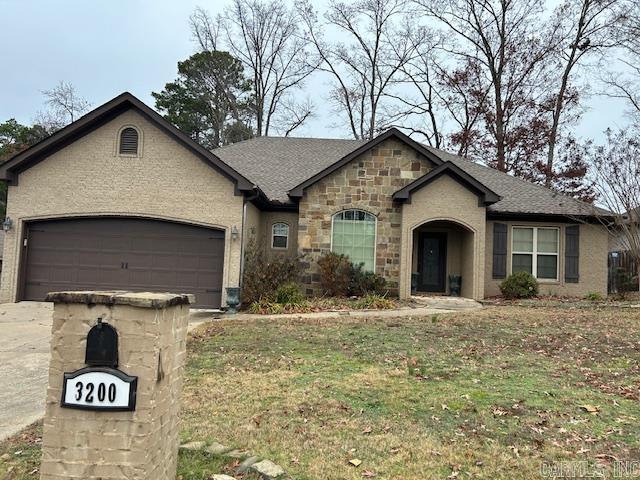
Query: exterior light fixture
column 234, row 233
column 7, row 224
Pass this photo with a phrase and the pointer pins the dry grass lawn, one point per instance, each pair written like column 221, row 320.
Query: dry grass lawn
column 491, row 393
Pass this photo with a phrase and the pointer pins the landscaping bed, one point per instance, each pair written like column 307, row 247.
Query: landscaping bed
column 493, row 393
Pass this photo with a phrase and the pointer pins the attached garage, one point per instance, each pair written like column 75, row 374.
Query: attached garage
column 123, row 254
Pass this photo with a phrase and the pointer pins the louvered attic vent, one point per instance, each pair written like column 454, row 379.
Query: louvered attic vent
column 129, row 141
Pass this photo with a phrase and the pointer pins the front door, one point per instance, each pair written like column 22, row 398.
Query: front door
column 432, row 261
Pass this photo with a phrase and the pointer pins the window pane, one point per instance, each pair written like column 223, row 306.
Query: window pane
column 548, row 240
column 280, row 229
column 547, row 267
column 522, row 263
column 279, row 242
column 523, row 239
column 353, row 235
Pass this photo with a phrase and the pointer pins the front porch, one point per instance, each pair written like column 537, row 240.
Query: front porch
column 441, row 251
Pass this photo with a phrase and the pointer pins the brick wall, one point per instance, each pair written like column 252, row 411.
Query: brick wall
column 88, row 178
column 143, row 444
column 367, row 183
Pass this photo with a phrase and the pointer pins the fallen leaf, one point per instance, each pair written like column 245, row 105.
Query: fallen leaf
column 366, row 430
column 368, row 474
column 356, row 462
column 590, row 409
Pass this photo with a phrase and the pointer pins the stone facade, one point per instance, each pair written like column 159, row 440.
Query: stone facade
column 368, row 183
column 142, row 444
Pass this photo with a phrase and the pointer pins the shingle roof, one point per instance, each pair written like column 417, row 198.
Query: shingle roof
column 278, row 164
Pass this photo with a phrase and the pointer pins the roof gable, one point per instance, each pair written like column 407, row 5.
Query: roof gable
column 486, row 195
column 298, row 190
column 11, row 169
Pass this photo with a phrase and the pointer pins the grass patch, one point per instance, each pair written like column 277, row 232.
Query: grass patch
column 488, row 393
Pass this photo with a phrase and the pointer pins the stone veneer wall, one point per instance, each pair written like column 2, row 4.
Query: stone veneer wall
column 367, row 183
column 143, row 444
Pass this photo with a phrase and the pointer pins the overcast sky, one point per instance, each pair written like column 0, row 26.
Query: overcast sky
column 106, row 47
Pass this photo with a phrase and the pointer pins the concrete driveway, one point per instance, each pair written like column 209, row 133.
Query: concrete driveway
column 25, row 329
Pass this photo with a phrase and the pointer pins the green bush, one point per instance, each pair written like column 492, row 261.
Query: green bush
column 362, row 282
column 593, row 297
column 335, row 274
column 340, row 277
column 289, row 294
column 262, row 277
column 519, row 285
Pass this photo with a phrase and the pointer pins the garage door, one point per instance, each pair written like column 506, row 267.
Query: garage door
column 123, row 254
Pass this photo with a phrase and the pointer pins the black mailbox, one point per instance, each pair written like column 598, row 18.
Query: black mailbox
column 102, row 346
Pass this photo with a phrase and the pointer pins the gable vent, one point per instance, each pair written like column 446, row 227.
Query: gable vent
column 129, row 141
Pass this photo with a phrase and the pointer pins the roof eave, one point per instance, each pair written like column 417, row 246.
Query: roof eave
column 486, row 195
column 10, row 170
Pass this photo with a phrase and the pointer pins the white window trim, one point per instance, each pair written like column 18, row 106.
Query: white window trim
column 375, row 230
column 273, row 235
column 535, row 253
column 140, row 142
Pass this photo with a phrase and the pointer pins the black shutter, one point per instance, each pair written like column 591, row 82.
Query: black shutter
column 572, row 254
column 499, row 250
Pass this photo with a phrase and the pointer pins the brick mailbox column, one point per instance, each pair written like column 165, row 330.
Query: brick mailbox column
column 82, row 442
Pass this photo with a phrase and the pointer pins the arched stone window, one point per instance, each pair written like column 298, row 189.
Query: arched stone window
column 354, row 235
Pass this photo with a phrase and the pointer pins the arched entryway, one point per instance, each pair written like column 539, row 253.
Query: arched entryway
column 443, row 252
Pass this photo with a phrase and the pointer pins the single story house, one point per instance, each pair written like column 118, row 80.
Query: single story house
column 121, row 199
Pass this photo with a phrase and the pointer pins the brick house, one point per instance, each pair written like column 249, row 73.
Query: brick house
column 122, row 199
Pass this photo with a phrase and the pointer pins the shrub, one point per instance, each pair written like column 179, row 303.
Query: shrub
column 362, row 282
column 266, row 307
column 262, row 277
column 374, row 302
column 625, row 282
column 593, row 297
column 519, row 285
column 289, row 294
column 340, row 277
column 335, row 274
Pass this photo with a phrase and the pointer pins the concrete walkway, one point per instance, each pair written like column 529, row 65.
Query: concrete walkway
column 418, row 307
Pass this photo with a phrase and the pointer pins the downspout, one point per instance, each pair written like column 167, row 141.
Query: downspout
column 244, row 232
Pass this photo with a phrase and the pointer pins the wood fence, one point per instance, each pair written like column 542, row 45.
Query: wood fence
column 622, row 270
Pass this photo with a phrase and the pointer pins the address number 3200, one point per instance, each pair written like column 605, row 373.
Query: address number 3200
column 99, row 388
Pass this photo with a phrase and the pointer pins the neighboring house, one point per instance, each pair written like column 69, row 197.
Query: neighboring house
column 121, row 199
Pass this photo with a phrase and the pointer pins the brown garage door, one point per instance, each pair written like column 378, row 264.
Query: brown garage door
column 123, row 253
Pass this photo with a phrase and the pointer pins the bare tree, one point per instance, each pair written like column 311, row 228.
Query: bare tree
column 585, row 27
column 506, row 40
column 616, row 172
column 626, row 85
column 65, row 106
column 379, row 40
column 265, row 37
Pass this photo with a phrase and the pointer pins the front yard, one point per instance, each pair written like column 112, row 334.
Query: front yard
column 490, row 393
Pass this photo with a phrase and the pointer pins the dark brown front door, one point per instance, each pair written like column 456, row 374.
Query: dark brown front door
column 123, row 254
column 432, row 261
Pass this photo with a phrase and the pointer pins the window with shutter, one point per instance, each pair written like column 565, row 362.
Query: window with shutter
column 128, row 141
